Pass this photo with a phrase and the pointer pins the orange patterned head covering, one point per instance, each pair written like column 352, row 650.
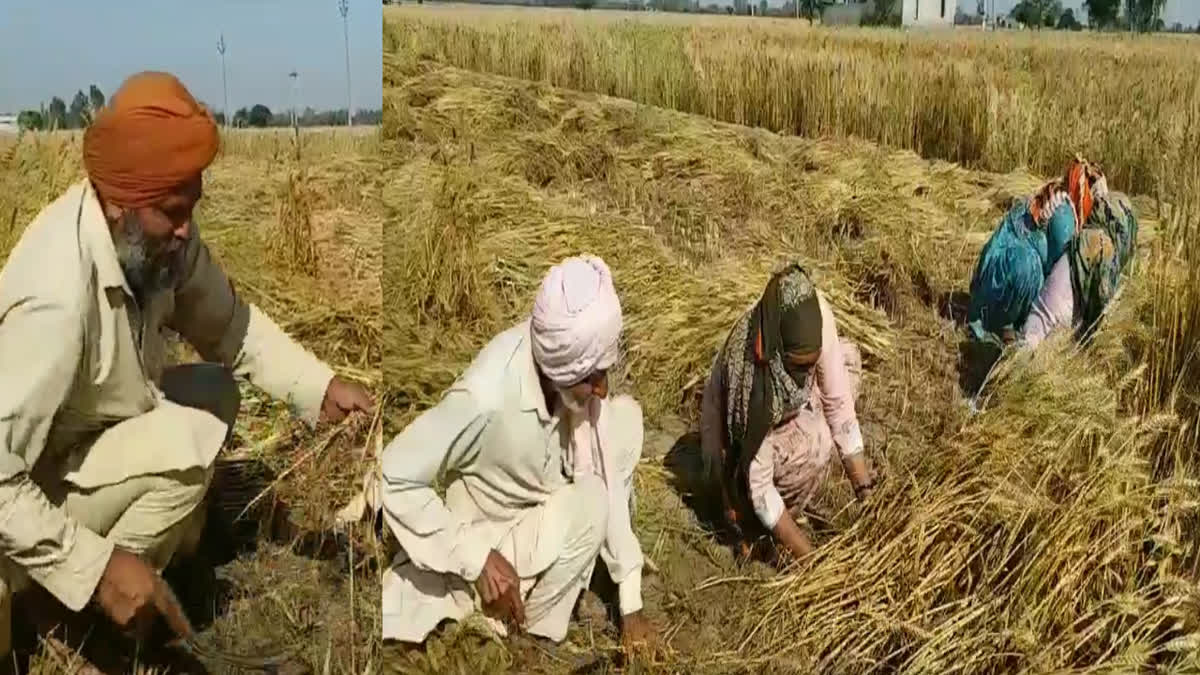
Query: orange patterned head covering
column 150, row 138
column 1082, row 183
column 1081, row 175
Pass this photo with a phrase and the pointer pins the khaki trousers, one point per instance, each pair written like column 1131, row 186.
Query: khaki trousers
column 156, row 515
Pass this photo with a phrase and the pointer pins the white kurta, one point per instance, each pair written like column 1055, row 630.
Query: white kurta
column 493, row 432
column 79, row 360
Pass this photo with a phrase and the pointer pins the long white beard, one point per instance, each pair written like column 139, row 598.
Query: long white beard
column 581, row 458
column 573, row 405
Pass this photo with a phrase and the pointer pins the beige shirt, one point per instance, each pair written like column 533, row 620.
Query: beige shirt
column 832, row 394
column 493, row 430
column 71, row 370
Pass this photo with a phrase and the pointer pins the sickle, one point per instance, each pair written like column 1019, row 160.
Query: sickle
column 172, row 611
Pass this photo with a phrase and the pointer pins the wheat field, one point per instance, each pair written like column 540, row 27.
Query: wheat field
column 1053, row 532
column 298, row 232
column 986, row 101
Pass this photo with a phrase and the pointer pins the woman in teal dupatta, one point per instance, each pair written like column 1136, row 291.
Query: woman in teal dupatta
column 1017, row 258
column 1084, row 283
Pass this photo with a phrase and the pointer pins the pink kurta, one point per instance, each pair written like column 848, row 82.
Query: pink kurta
column 793, row 459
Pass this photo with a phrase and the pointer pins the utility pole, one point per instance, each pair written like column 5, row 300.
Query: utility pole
column 344, row 9
column 295, row 120
column 224, row 83
column 293, row 75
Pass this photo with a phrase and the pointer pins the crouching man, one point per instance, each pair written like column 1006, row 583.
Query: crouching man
column 105, row 454
column 544, row 463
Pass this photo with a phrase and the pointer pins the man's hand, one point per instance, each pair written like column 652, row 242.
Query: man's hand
column 343, row 397
column 499, row 587
column 638, row 634
column 128, row 591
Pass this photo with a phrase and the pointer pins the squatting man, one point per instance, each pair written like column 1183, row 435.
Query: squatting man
column 545, row 463
column 106, row 454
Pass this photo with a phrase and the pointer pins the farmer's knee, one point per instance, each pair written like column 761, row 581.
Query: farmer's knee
column 177, row 495
column 154, row 515
column 197, row 482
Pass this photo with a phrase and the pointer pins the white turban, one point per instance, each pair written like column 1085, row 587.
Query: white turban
column 576, row 320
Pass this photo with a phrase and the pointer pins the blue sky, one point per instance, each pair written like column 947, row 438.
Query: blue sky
column 56, row 47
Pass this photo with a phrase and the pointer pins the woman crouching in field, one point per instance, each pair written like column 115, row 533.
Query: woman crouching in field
column 779, row 398
column 1021, row 252
column 1084, row 281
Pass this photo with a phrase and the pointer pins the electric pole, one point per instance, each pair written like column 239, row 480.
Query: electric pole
column 293, row 75
column 344, row 9
column 224, row 83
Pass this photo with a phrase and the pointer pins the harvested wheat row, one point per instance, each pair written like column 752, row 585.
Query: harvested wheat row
column 1050, row 533
column 987, row 100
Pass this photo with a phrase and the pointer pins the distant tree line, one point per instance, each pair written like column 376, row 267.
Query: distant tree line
column 58, row 115
column 261, row 116
column 1139, row 15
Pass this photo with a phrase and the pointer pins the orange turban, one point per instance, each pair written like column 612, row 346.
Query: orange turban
column 150, row 138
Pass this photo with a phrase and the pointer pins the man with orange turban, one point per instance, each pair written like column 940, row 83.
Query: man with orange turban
column 106, row 455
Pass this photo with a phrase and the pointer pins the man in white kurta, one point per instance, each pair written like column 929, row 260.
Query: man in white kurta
column 542, row 462
column 105, row 452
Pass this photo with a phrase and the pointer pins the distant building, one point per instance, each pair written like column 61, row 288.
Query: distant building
column 8, row 124
column 911, row 12
column 928, row 12
column 846, row 12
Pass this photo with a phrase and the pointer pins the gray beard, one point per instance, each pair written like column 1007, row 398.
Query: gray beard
column 144, row 272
